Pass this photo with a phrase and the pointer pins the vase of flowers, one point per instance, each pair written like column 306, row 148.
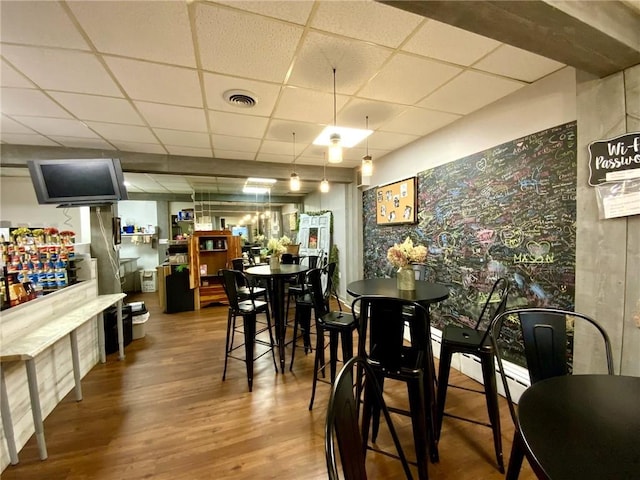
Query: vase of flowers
column 402, row 256
column 274, row 249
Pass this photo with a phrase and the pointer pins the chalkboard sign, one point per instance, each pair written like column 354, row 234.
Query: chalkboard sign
column 614, row 159
column 507, row 211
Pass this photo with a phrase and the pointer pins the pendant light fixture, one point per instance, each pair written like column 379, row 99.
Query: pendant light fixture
column 367, row 162
column 294, row 183
column 324, row 184
column 335, row 145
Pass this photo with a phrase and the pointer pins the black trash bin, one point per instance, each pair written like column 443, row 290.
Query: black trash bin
column 111, row 327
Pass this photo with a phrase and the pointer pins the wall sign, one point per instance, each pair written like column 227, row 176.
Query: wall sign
column 396, row 202
column 615, row 159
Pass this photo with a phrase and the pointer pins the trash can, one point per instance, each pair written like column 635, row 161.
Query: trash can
column 148, row 281
column 111, row 327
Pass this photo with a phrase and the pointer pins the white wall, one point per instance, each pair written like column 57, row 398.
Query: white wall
column 19, row 207
column 143, row 214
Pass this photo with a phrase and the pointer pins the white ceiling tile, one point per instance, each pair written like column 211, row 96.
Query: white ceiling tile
column 390, row 141
column 519, row 64
column 355, row 63
column 57, row 126
column 305, row 105
column 123, row 133
column 182, row 138
column 139, row 147
column 265, row 94
column 407, row 78
column 240, row 144
column 173, row 117
column 224, row 123
column 157, row 83
column 355, row 154
column 102, row 109
column 158, row 31
column 469, row 92
column 354, row 113
column 234, row 155
column 283, row 149
column 366, row 20
column 225, row 46
column 418, row 121
column 189, row 151
column 23, row 139
column 450, row 44
column 82, row 72
column 8, row 125
column 39, row 23
column 9, row 77
column 282, row 130
column 76, row 142
column 20, row 101
column 274, row 158
column 296, row 12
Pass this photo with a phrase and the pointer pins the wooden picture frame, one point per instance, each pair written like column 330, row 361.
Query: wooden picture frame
column 396, row 202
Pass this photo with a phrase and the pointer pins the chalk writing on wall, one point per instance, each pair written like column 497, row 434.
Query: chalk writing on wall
column 507, row 211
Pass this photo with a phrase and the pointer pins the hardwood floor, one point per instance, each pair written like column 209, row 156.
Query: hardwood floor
column 165, row 413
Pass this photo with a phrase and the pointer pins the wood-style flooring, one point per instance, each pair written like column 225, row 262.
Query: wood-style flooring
column 165, row 413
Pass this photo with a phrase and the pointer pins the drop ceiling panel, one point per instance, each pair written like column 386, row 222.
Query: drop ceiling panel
column 418, row 121
column 77, row 142
column 57, row 126
column 273, row 158
column 224, row 123
column 20, row 101
column 355, row 112
column 407, row 78
column 233, row 154
column 138, row 147
column 390, row 141
column 355, row 63
column 519, row 64
column 182, row 138
column 469, row 92
column 8, row 125
column 126, row 133
column 158, row 31
column 189, row 151
column 283, row 149
column 282, row 130
column 9, row 77
column 225, row 46
column 370, row 21
column 240, row 144
column 450, row 44
column 39, row 23
column 296, row 12
column 23, row 139
column 264, row 93
column 173, row 117
column 153, row 82
column 82, row 72
column 101, row 109
column 305, row 105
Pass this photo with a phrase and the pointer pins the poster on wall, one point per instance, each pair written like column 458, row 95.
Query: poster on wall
column 614, row 159
column 396, row 202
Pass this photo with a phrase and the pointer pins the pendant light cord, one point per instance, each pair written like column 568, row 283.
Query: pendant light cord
column 294, row 152
column 335, row 123
column 367, row 125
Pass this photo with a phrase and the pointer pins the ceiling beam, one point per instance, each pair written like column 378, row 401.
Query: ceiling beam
column 599, row 37
column 17, row 156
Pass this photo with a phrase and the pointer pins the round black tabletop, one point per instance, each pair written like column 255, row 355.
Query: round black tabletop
column 583, row 426
column 425, row 292
column 285, row 270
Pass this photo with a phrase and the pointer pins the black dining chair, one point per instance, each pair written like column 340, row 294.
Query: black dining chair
column 381, row 333
column 338, row 325
column 247, row 308
column 348, row 422
column 256, row 290
column 475, row 341
column 541, row 340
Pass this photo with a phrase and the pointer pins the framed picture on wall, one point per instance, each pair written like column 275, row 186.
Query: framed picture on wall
column 396, row 202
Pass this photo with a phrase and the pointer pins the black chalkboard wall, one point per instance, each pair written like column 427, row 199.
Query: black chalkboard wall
column 508, row 211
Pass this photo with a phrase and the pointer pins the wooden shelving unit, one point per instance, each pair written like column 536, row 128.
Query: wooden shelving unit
column 209, row 252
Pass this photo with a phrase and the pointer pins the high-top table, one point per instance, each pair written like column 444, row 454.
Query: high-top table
column 582, row 426
column 276, row 280
column 425, row 293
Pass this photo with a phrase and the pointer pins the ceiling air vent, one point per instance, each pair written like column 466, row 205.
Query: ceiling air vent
column 240, row 98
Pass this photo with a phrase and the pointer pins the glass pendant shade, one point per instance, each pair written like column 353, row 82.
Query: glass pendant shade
column 324, row 185
column 367, row 166
column 335, row 149
column 294, row 183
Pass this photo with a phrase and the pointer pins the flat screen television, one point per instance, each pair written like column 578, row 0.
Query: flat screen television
column 77, row 182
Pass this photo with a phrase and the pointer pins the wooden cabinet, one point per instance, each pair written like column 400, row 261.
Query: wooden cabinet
column 209, row 252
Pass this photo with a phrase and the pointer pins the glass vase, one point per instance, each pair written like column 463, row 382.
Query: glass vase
column 406, row 278
column 274, row 262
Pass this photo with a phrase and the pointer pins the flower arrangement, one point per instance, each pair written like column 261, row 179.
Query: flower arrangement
column 260, row 239
column 275, row 247
column 284, row 241
column 401, row 255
